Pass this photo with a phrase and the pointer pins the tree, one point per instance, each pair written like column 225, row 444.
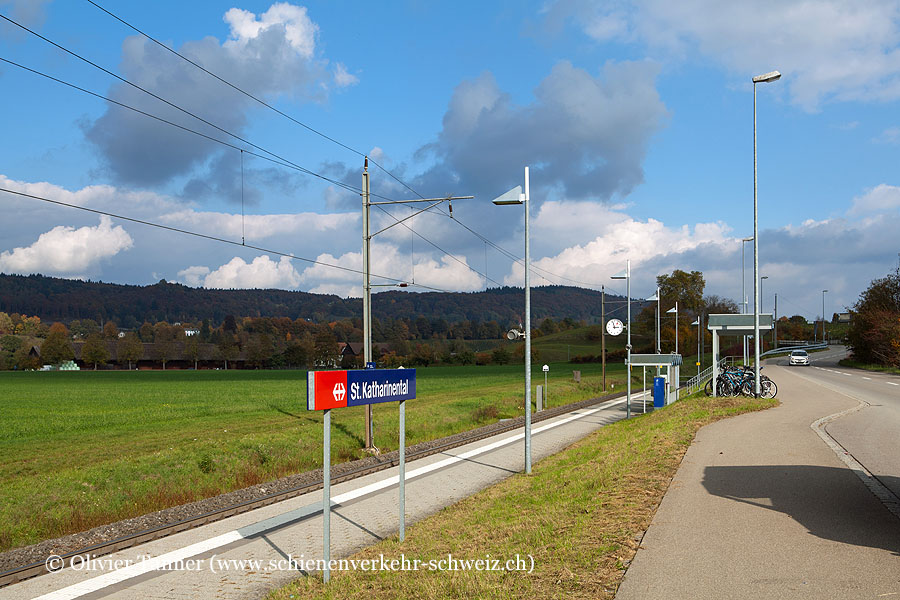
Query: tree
column 57, row 348
column 146, row 333
column 874, row 334
column 110, row 331
column 6, row 324
column 501, row 355
column 228, row 348
column 94, row 350
column 24, row 360
column 192, row 350
column 259, row 350
column 163, row 350
column 686, row 288
column 130, row 349
column 715, row 305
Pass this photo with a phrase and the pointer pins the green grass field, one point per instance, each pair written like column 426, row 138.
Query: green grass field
column 80, row 449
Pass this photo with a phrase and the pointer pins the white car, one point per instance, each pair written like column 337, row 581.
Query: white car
column 799, row 357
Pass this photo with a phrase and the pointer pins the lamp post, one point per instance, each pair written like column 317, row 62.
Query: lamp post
column 651, row 299
column 824, row 337
column 546, row 369
column 744, row 348
column 697, row 323
column 675, row 310
column 515, row 196
column 765, row 78
column 627, row 277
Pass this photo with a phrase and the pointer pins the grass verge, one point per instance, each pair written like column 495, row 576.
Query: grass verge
column 848, row 362
column 579, row 515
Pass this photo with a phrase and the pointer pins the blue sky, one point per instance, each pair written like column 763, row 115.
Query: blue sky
column 635, row 119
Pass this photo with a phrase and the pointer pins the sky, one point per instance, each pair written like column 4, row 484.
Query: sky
column 635, row 120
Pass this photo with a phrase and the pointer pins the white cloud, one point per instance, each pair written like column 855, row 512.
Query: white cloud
column 299, row 30
column 259, row 227
column 881, row 198
column 261, row 273
column 269, row 55
column 342, row 77
column 451, row 274
column 66, row 250
column 618, row 238
column 891, row 135
column 194, row 276
column 826, row 48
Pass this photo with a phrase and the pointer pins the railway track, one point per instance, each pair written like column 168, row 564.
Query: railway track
column 34, row 569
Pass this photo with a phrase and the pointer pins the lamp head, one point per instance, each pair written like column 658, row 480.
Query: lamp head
column 767, row 77
column 513, row 196
column 672, row 310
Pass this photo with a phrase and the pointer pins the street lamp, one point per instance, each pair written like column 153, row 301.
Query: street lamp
column 766, row 78
column 697, row 323
column 627, row 277
column 744, row 348
column 515, row 196
column 546, row 369
column 675, row 310
column 651, row 299
column 824, row 337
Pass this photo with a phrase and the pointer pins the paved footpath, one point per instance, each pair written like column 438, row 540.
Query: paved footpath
column 206, row 562
column 762, row 508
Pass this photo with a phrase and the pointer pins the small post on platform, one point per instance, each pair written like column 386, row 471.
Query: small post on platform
column 326, row 495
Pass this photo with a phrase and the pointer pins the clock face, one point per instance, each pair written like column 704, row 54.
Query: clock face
column 614, row 327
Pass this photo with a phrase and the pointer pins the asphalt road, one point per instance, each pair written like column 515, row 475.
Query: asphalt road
column 871, row 435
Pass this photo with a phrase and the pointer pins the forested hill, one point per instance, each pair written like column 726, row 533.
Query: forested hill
column 54, row 299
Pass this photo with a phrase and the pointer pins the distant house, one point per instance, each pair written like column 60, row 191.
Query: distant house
column 191, row 332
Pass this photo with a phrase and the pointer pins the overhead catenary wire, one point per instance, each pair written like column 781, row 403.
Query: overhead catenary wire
column 213, row 238
column 277, row 161
column 284, row 161
column 320, row 134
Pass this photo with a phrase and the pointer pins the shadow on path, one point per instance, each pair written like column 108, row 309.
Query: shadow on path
column 825, row 500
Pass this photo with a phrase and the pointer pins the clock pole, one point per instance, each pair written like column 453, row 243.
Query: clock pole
column 603, row 331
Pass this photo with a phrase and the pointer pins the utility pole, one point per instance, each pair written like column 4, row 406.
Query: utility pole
column 367, row 295
column 367, row 284
column 603, row 332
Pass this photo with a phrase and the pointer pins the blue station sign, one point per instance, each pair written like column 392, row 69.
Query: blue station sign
column 337, row 389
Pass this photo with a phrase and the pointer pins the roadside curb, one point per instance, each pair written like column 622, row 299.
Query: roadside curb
column 887, row 498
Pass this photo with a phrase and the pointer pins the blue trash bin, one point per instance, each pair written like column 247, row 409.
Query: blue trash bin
column 659, row 392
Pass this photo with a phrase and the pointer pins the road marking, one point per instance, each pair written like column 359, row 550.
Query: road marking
column 160, row 562
column 868, row 378
column 891, row 383
column 847, row 374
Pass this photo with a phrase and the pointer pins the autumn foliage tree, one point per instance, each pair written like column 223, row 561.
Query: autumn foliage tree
column 94, row 351
column 874, row 334
column 57, row 347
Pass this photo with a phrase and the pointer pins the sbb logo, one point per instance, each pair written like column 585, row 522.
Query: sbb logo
column 339, row 392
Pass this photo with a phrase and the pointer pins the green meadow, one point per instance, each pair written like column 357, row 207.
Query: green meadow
column 81, row 449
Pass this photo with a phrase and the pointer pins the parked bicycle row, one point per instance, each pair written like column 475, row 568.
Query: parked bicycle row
column 735, row 381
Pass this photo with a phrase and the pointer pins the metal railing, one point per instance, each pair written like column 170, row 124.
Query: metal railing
column 696, row 382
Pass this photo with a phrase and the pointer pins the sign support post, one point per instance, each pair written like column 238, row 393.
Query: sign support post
column 402, row 466
column 326, row 495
